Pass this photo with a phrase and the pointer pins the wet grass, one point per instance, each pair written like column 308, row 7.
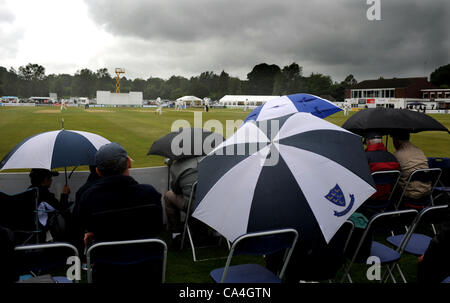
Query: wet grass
column 137, row 128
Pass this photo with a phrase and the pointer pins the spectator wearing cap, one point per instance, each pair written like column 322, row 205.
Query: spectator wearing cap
column 42, row 179
column 379, row 159
column 114, row 191
column 410, row 158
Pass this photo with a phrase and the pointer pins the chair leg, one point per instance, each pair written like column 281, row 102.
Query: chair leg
column 401, row 273
column 391, row 275
column 434, row 229
column 385, row 276
column 349, row 278
column 347, row 274
column 191, row 241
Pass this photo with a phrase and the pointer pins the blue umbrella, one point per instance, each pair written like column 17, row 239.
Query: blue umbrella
column 290, row 104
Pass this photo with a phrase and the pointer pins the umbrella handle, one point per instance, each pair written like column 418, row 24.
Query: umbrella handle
column 70, row 175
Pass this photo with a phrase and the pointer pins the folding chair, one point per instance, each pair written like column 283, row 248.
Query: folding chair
column 31, row 258
column 128, row 261
column 324, row 260
column 383, row 179
column 384, row 223
column 133, row 222
column 431, row 175
column 443, row 186
column 259, row 243
column 19, row 214
column 417, row 243
column 187, row 229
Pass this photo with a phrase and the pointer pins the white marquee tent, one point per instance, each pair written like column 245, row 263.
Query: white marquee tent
column 240, row 100
column 192, row 100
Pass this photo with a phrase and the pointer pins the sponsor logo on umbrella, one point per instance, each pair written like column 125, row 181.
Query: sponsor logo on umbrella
column 336, row 196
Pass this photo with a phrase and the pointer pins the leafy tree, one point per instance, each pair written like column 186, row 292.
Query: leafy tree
column 318, row 84
column 104, row 80
column 289, row 81
column 261, row 79
column 264, row 79
column 138, row 85
column 84, row 83
column 441, row 76
column 32, row 72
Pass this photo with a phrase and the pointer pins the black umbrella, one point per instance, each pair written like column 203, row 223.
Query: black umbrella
column 186, row 143
column 390, row 121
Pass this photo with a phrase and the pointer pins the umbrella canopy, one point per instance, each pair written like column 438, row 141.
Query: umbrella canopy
column 389, row 120
column 310, row 175
column 54, row 149
column 185, row 143
column 289, row 104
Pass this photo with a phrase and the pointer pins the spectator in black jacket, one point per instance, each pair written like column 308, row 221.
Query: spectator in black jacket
column 117, row 207
column 42, row 179
column 55, row 228
column 76, row 231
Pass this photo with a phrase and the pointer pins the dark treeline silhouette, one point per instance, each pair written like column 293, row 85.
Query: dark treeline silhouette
column 264, row 79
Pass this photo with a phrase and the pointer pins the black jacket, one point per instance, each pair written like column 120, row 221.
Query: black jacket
column 92, row 178
column 118, row 208
column 46, row 196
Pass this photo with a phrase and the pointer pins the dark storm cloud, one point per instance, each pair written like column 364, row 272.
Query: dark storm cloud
column 331, row 37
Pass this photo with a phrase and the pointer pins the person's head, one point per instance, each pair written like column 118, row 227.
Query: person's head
column 111, row 160
column 399, row 139
column 373, row 138
column 42, row 177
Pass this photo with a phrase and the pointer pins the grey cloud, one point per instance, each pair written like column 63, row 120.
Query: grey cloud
column 334, row 38
column 9, row 33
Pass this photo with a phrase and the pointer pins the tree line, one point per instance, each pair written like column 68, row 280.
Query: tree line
column 264, row 79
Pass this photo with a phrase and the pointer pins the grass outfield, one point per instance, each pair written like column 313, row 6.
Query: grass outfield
column 137, row 128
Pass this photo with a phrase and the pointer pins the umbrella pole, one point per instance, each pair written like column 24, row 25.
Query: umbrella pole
column 65, row 173
column 71, row 173
column 168, row 178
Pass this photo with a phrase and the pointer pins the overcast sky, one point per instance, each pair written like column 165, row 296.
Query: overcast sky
column 160, row 38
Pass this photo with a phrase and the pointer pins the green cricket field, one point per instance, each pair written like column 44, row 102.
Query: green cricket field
column 137, row 128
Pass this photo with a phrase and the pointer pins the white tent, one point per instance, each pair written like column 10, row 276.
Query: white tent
column 242, row 100
column 193, row 100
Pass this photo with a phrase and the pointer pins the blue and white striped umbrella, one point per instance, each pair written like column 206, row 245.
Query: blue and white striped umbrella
column 54, row 149
column 296, row 171
column 290, row 104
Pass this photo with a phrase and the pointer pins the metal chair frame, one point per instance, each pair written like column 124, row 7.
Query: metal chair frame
column 261, row 234
column 122, row 243
column 187, row 230
column 411, row 179
column 375, row 218
column 49, row 246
